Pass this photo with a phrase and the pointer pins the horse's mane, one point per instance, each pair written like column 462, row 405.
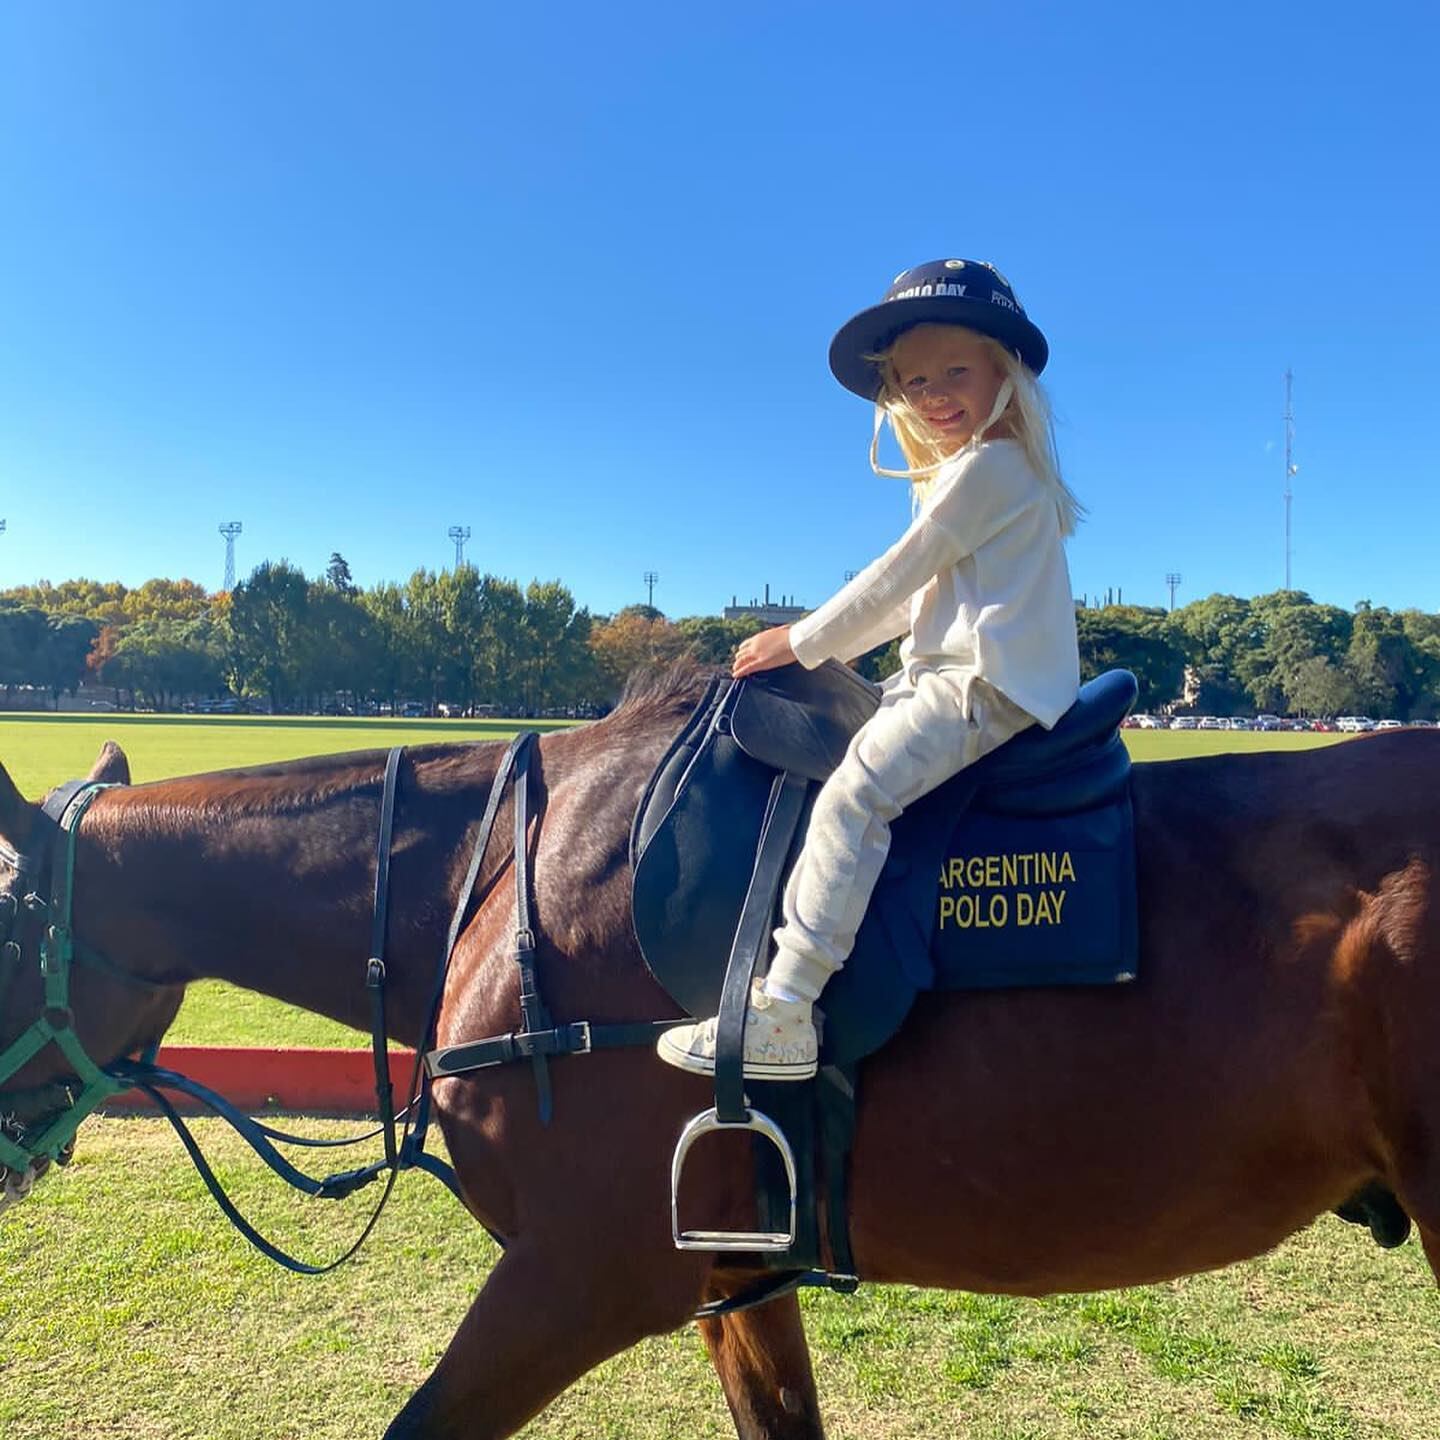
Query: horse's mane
column 657, row 690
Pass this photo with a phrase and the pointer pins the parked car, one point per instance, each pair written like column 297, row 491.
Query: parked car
column 1238, row 722
column 1211, row 722
column 1148, row 722
column 1327, row 727
column 1354, row 724
column 1268, row 723
column 1184, row 722
column 1390, row 725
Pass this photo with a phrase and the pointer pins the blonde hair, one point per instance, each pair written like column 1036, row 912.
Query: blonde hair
column 1022, row 412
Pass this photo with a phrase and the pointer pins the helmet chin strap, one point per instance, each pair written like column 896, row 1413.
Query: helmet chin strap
column 1003, row 397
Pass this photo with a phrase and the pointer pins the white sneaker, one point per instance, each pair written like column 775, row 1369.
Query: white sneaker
column 780, row 1041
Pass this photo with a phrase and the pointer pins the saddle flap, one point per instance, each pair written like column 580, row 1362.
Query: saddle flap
column 1027, row 900
column 801, row 720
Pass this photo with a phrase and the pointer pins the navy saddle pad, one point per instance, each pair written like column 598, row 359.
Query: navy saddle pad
column 1019, row 871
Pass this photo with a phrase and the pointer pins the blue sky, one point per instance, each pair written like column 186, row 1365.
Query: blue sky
column 566, row 274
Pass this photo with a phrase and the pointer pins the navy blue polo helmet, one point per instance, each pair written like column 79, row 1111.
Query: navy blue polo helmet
column 941, row 292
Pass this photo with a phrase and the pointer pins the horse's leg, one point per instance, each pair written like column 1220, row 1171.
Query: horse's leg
column 763, row 1363
column 541, row 1321
column 1430, row 1239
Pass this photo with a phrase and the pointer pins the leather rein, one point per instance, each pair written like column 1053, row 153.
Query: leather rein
column 404, row 1149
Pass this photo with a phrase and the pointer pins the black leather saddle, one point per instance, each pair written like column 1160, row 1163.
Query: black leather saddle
column 1019, row 871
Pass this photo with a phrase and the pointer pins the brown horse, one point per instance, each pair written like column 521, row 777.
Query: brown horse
column 1276, row 1054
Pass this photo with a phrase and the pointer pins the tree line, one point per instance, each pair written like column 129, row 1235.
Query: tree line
column 454, row 637
column 469, row 640
column 1281, row 653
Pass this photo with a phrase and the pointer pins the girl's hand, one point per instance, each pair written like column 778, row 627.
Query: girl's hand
column 765, row 651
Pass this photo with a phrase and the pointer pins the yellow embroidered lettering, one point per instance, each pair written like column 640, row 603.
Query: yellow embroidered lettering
column 1047, row 907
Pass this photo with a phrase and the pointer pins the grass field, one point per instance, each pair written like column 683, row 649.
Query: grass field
column 132, row 1312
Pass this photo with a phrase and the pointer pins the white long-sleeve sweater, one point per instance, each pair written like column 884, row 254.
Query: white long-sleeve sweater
column 980, row 582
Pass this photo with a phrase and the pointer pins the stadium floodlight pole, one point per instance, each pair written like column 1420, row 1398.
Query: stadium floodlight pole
column 1290, row 469
column 230, row 529
column 1173, row 579
column 651, row 576
column 459, row 534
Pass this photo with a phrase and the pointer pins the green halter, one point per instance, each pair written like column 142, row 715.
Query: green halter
column 54, row 1023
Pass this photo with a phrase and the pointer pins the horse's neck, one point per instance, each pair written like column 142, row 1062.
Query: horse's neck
column 206, row 883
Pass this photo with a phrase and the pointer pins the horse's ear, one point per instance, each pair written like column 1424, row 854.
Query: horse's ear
column 14, row 819
column 112, row 768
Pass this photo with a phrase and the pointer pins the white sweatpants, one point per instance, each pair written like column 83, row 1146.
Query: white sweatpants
column 930, row 726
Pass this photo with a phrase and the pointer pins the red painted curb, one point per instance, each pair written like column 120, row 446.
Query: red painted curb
column 257, row 1079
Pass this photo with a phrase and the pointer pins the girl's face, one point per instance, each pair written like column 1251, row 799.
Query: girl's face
column 950, row 380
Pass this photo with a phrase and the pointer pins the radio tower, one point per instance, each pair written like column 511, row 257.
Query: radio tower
column 230, row 529
column 1290, row 468
column 459, row 534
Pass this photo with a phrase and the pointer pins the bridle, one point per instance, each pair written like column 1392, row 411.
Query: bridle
column 37, row 1126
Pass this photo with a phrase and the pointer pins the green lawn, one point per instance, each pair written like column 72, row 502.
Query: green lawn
column 132, row 1312
column 1183, row 744
column 43, row 750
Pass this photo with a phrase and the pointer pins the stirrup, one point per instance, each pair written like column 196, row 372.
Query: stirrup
column 764, row 1242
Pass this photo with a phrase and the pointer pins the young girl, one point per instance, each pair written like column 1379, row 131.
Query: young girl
column 978, row 581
